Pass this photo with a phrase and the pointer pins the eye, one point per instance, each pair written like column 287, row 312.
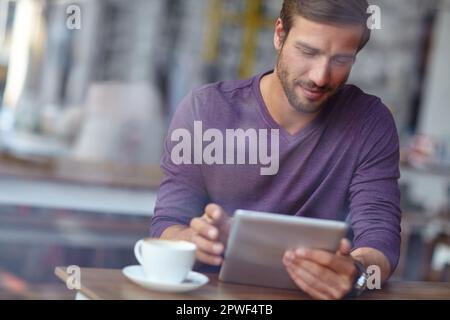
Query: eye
column 308, row 53
column 341, row 61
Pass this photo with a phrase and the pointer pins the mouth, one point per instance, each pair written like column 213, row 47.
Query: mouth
column 313, row 95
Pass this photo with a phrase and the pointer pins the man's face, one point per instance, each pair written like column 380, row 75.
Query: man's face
column 314, row 61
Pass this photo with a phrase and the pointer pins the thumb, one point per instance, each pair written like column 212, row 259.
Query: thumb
column 215, row 214
column 345, row 247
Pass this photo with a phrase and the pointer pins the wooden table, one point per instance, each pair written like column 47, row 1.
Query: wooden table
column 108, row 284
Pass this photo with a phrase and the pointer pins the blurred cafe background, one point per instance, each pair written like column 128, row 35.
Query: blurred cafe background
column 87, row 89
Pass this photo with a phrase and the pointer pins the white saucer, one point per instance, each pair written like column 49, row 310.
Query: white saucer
column 193, row 281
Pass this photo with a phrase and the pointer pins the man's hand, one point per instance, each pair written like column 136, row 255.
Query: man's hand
column 321, row 274
column 210, row 234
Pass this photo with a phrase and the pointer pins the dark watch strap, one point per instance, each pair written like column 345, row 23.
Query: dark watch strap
column 360, row 283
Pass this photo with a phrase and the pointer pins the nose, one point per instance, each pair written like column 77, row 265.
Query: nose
column 320, row 73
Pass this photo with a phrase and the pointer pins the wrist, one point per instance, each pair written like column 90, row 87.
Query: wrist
column 178, row 232
column 360, row 281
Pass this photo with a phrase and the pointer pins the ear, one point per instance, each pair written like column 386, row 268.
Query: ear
column 280, row 35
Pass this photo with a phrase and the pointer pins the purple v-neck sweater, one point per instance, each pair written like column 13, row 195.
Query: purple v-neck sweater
column 343, row 165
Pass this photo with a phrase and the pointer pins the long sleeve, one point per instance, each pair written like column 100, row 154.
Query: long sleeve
column 181, row 195
column 374, row 194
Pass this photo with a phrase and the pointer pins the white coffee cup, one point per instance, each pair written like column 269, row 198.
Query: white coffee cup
column 165, row 261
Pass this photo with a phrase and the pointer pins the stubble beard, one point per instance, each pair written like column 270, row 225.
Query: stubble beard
column 290, row 90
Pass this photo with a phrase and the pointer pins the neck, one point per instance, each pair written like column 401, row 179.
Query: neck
column 279, row 107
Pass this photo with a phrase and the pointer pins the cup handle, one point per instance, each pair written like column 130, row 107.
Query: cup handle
column 138, row 251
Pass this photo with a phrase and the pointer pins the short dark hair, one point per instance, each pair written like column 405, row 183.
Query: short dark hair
column 334, row 12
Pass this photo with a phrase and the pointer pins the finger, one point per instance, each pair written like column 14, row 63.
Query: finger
column 215, row 214
column 345, row 247
column 326, row 275
column 208, row 259
column 314, row 293
column 341, row 281
column 324, row 258
column 337, row 284
column 205, row 229
column 316, row 283
column 210, row 247
column 317, row 280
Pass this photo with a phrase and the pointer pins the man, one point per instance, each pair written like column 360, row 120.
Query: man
column 338, row 152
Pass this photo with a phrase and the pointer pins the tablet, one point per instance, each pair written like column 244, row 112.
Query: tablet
column 259, row 240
